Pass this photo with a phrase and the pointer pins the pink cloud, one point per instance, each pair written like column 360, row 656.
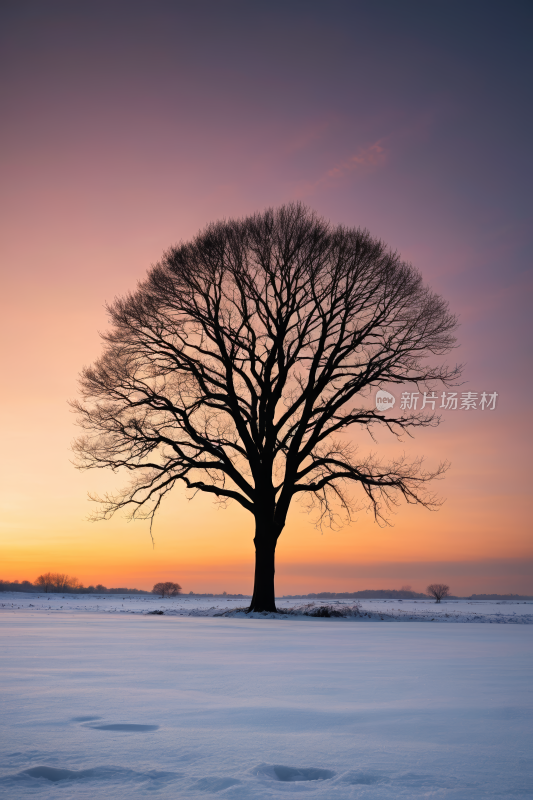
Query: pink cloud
column 365, row 159
column 373, row 156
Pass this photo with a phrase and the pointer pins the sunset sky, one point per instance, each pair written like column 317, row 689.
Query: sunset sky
column 128, row 126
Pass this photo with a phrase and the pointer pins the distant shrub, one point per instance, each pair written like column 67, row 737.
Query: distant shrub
column 167, row 589
column 314, row 610
column 438, row 591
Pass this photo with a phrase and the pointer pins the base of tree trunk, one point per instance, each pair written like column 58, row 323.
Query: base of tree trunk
column 261, row 608
column 263, row 598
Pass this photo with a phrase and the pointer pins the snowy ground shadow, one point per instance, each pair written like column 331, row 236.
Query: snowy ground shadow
column 279, row 772
column 57, row 775
column 214, row 784
column 124, row 726
column 359, row 777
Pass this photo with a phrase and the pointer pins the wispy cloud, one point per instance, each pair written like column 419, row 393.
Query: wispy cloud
column 373, row 156
column 365, row 160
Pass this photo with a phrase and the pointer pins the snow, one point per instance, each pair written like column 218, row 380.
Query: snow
column 488, row 611
column 113, row 702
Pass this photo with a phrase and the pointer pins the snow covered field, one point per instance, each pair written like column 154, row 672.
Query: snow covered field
column 123, row 704
column 506, row 611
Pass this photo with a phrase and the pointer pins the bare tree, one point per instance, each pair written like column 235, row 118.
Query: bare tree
column 45, row 581
column 56, row 582
column 167, row 589
column 63, row 582
column 241, row 361
column 438, row 591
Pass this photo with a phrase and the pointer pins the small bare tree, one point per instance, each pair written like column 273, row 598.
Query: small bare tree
column 167, row 589
column 240, row 363
column 438, row 591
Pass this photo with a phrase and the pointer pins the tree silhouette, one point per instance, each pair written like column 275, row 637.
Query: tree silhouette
column 45, row 581
column 239, row 364
column 56, row 581
column 438, row 591
column 167, row 589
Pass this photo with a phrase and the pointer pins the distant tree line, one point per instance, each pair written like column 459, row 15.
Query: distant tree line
column 500, row 597
column 169, row 589
column 74, row 586
column 50, row 582
column 217, row 594
column 17, row 586
column 369, row 594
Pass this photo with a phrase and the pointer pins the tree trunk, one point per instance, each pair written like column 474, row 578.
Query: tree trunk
column 265, row 547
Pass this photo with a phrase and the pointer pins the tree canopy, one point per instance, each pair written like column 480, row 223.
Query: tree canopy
column 56, row 582
column 167, row 589
column 438, row 591
column 241, row 362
